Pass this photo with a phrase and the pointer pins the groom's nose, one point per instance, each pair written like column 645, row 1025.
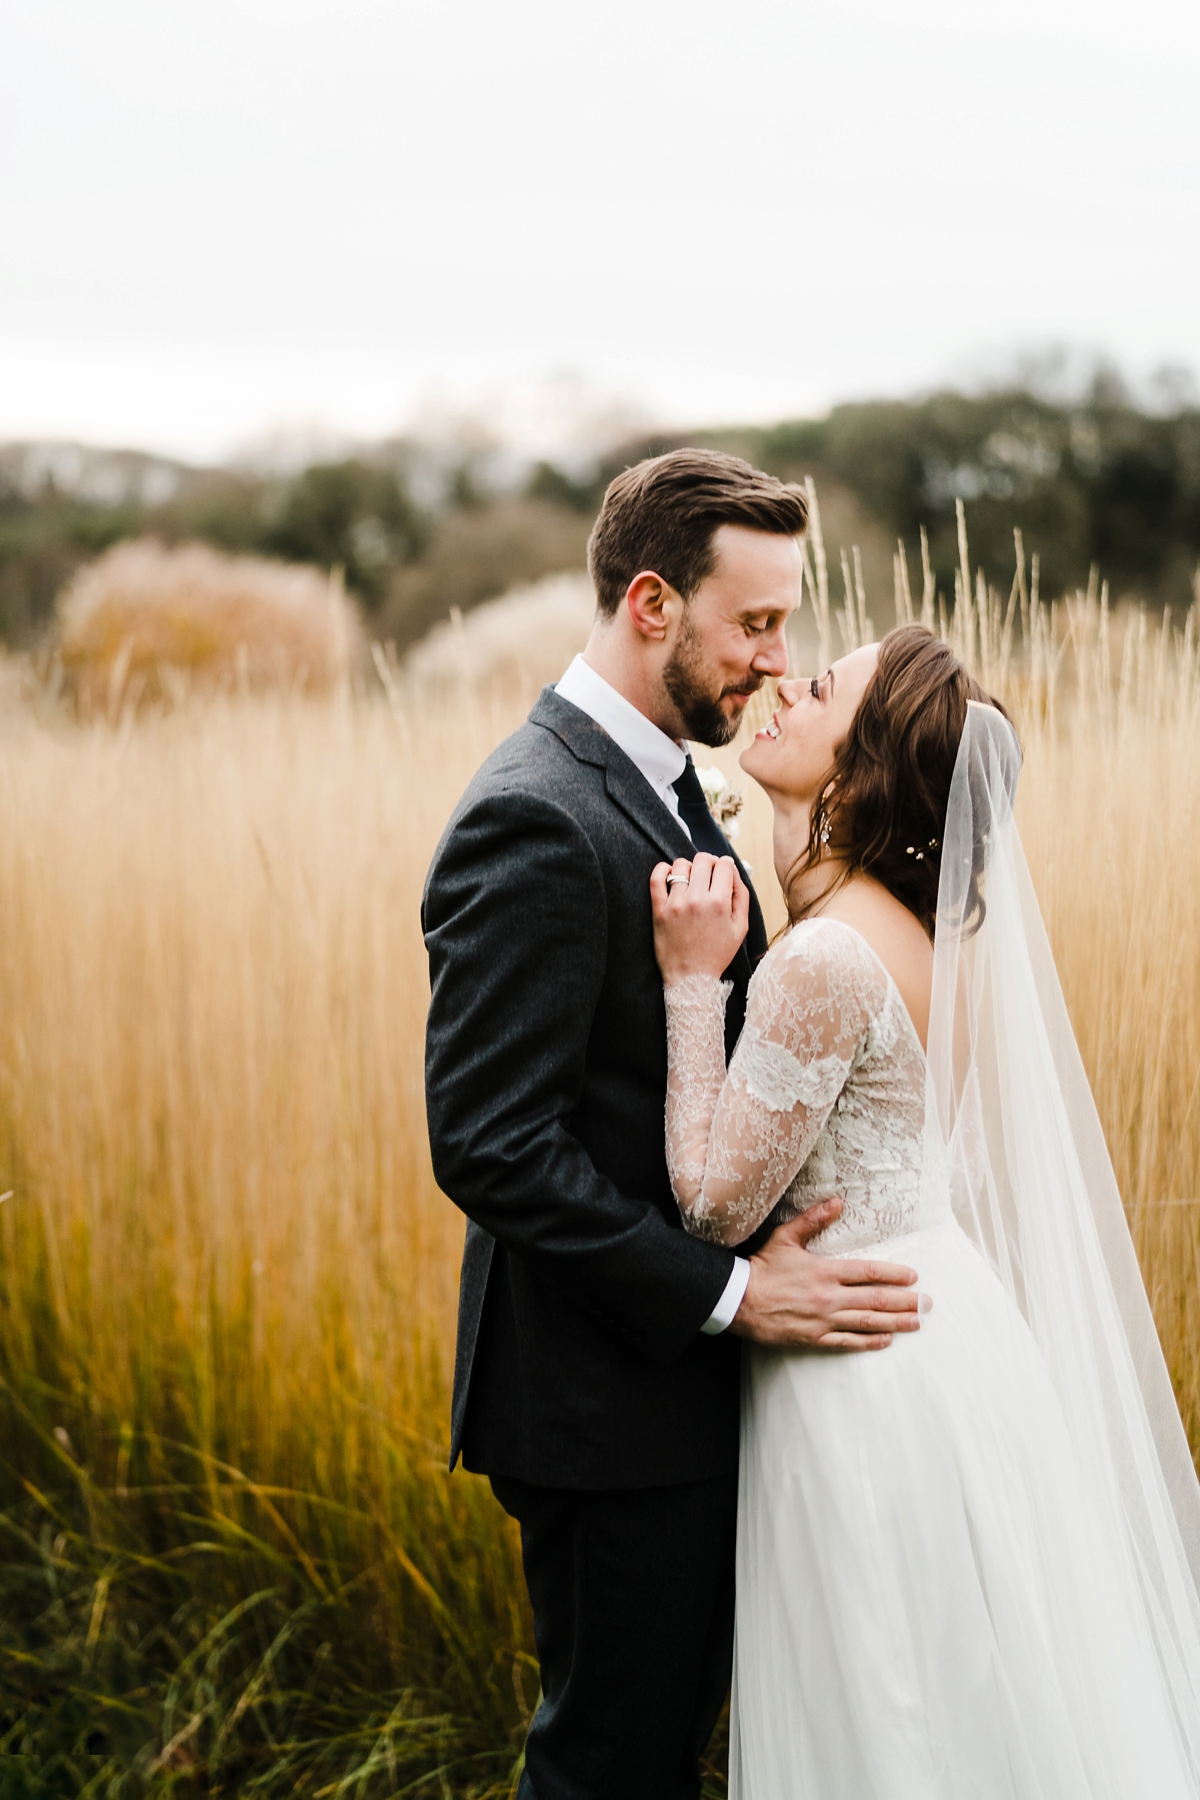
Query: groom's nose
column 771, row 656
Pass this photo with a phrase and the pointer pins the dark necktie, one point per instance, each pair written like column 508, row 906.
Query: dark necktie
column 706, row 834
column 698, row 822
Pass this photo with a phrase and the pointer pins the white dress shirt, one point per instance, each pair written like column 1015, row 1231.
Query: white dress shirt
column 662, row 761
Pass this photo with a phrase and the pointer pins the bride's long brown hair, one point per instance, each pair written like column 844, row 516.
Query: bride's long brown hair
column 881, row 807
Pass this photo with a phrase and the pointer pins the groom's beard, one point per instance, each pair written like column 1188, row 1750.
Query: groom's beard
column 689, row 684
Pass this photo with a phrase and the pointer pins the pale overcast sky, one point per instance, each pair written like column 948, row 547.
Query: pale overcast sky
column 225, row 218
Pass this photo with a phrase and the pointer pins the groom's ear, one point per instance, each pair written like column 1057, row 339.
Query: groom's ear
column 653, row 606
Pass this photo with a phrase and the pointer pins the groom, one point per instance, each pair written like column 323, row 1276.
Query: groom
column 597, row 1374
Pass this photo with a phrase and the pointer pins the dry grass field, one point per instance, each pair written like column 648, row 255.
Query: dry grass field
column 232, row 1559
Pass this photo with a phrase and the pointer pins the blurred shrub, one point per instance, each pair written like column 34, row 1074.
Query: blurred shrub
column 230, row 509
column 581, row 494
column 41, row 546
column 520, row 641
column 477, row 553
column 145, row 623
column 353, row 516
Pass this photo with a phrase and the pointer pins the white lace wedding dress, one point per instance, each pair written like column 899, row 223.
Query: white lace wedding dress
column 932, row 1599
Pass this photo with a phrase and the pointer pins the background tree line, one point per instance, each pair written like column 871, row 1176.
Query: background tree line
column 1097, row 481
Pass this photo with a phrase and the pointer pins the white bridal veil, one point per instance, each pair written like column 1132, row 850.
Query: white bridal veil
column 1009, row 1109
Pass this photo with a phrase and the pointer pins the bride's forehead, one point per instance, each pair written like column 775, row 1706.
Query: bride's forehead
column 858, row 666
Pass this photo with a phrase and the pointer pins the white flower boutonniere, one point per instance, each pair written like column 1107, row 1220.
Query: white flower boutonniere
column 724, row 802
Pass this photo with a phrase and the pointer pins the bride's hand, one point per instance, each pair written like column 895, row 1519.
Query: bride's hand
column 701, row 918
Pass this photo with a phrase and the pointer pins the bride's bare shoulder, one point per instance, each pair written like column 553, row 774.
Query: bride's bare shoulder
column 895, row 936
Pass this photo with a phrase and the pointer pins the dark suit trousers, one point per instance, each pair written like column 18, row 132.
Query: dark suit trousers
column 632, row 1595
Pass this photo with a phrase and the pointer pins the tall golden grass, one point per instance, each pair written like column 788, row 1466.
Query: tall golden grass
column 227, row 1280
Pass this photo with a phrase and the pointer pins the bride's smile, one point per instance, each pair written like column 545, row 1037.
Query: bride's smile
column 790, row 756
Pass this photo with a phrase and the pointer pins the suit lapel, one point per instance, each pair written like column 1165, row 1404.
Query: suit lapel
column 628, row 788
column 626, row 785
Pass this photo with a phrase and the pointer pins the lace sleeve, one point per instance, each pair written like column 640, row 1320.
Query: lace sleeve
column 735, row 1141
column 695, row 1077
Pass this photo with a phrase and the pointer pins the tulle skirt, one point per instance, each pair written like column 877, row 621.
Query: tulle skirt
column 929, row 1603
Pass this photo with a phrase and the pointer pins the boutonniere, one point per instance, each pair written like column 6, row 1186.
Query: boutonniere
column 724, row 802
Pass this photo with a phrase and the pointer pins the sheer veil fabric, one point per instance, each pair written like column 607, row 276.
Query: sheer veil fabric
column 1011, row 1124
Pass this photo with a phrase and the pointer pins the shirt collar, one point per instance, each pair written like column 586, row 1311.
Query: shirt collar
column 660, row 759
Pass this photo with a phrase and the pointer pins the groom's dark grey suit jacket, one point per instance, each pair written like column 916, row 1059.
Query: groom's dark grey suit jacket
column 580, row 1358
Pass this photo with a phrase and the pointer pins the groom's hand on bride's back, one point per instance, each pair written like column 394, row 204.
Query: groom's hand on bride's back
column 795, row 1300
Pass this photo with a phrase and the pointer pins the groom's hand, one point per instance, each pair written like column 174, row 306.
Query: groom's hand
column 796, row 1300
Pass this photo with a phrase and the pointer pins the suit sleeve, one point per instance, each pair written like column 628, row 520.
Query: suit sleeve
column 515, row 924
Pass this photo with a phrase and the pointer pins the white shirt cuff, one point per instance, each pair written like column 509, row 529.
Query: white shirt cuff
column 731, row 1299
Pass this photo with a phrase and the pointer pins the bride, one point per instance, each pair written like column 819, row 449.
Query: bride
column 964, row 1564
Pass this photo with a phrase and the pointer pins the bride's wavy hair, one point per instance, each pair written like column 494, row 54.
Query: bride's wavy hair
column 882, row 805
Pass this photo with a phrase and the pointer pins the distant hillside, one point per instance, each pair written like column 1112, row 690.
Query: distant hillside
column 412, row 536
column 1097, row 482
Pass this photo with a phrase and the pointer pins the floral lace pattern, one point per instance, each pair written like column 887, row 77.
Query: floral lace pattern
column 824, row 1095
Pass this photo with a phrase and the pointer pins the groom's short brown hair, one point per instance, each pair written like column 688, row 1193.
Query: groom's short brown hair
column 661, row 514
